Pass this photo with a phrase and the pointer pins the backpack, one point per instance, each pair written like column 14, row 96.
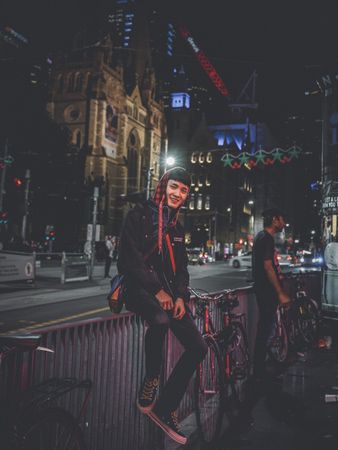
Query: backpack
column 116, row 294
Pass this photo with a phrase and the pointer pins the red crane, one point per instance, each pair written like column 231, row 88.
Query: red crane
column 204, row 61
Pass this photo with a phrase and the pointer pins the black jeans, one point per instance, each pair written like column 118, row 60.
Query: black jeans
column 159, row 322
column 107, row 265
column 267, row 305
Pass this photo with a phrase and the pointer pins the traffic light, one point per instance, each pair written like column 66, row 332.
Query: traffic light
column 3, row 217
column 50, row 235
column 17, row 181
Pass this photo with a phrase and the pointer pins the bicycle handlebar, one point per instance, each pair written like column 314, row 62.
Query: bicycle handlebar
column 206, row 296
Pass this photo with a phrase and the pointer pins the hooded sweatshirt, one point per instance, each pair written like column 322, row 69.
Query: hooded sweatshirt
column 153, row 229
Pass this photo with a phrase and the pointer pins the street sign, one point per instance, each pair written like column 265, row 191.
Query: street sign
column 90, row 232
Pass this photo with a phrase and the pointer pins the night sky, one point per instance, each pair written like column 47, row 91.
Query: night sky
column 286, row 42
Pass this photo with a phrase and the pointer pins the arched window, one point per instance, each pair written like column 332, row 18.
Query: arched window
column 193, row 179
column 71, row 82
column 132, row 157
column 200, row 181
column 209, row 157
column 199, row 201
column 78, row 138
column 201, row 158
column 192, row 202
column 194, row 158
column 79, row 82
column 208, row 180
column 207, row 202
column 60, row 84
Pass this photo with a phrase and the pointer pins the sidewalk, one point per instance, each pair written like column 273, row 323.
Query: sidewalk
column 48, row 289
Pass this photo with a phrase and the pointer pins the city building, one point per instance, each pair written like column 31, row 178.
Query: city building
column 120, row 132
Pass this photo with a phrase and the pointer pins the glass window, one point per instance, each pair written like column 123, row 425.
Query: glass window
column 207, row 202
column 194, row 158
column 207, row 180
column 209, row 157
column 200, row 181
column 193, row 179
column 199, row 201
column 192, row 201
column 201, row 158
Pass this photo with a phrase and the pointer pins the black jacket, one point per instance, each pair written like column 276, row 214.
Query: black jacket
column 138, row 238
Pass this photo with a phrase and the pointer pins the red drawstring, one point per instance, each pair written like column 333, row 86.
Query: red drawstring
column 171, row 253
column 160, row 223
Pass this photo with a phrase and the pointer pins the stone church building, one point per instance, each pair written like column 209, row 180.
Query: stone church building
column 119, row 127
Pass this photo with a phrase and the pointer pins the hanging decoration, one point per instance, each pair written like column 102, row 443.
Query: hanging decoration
column 251, row 160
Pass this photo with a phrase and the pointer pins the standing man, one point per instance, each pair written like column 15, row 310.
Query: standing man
column 267, row 286
column 153, row 258
column 109, row 248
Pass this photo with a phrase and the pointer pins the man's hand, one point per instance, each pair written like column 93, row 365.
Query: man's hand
column 164, row 300
column 284, row 299
column 179, row 309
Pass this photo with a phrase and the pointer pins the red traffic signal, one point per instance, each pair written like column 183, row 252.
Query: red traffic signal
column 17, row 181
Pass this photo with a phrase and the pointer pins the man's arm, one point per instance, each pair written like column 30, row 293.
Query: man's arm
column 273, row 279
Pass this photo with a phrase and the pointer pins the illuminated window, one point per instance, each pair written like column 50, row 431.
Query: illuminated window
column 194, row 158
column 201, row 158
column 209, row 157
column 199, row 201
column 193, row 177
column 192, row 201
column 200, row 181
column 207, row 202
column 207, row 180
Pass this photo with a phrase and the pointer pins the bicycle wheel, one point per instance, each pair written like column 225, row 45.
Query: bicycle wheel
column 278, row 345
column 52, row 429
column 308, row 320
column 238, row 363
column 209, row 393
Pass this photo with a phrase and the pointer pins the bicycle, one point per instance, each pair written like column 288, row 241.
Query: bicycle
column 294, row 327
column 34, row 421
column 220, row 377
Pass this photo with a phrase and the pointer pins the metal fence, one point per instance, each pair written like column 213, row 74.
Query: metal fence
column 110, row 352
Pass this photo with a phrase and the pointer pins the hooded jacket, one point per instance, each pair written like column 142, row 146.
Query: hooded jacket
column 144, row 233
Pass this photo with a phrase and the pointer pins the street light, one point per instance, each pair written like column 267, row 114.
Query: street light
column 169, row 162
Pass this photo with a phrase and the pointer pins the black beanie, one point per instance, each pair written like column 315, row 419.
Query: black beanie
column 179, row 174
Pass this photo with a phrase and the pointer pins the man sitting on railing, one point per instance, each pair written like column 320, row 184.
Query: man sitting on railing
column 153, row 258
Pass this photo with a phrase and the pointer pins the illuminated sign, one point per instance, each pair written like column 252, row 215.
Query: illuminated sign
column 180, row 100
column 205, row 63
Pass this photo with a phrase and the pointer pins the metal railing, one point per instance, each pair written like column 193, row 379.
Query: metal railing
column 110, row 352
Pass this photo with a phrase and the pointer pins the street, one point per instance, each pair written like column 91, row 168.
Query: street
column 54, row 303
column 50, row 302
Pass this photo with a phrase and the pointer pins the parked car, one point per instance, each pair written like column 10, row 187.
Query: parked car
column 243, row 260
column 196, row 256
column 308, row 258
column 284, row 259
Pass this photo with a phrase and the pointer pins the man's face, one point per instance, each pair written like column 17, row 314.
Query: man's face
column 176, row 194
column 279, row 223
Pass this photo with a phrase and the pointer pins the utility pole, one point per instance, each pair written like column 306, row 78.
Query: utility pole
column 149, row 176
column 3, row 176
column 25, row 217
column 95, row 204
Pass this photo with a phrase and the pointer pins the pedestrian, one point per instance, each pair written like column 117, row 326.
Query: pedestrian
column 267, row 285
column 115, row 247
column 108, row 247
column 153, row 258
column 269, row 294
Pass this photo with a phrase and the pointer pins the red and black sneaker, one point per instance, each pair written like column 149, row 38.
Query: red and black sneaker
column 169, row 424
column 147, row 394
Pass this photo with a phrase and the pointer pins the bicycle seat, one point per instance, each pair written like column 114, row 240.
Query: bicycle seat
column 19, row 343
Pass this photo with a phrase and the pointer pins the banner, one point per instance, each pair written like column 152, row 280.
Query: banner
column 16, row 267
column 110, row 131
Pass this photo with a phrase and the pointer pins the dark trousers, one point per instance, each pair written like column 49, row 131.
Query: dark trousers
column 159, row 322
column 267, row 305
column 107, row 265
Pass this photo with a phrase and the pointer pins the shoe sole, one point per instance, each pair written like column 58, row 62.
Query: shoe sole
column 145, row 409
column 171, row 433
